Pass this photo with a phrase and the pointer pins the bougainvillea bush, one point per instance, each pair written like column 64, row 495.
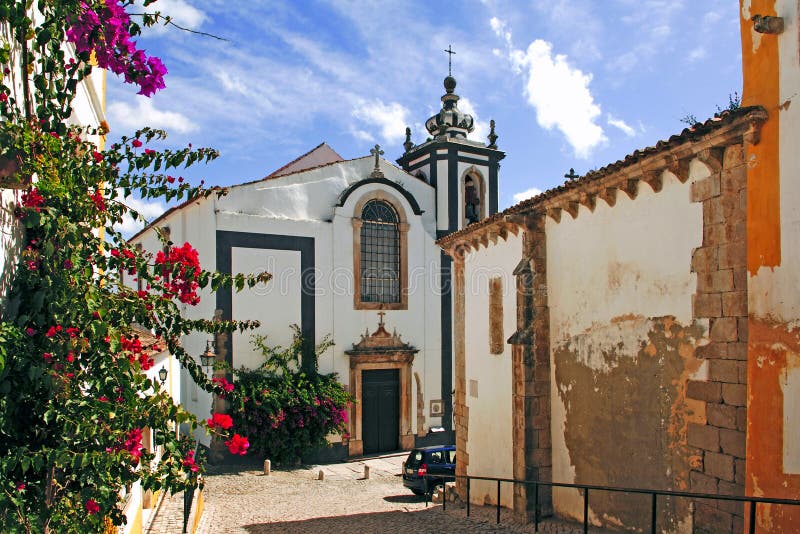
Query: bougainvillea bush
column 287, row 413
column 74, row 398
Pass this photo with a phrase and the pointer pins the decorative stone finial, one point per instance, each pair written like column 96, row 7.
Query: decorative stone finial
column 492, row 136
column 408, row 145
column 377, row 152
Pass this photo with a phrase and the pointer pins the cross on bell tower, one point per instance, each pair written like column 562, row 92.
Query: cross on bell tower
column 450, row 53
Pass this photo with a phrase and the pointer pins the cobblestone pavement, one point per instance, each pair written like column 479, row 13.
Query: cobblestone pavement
column 169, row 516
column 243, row 500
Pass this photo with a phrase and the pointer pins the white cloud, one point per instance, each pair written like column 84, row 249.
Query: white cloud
column 621, row 124
column 697, row 54
column 528, row 193
column 390, row 119
column 148, row 210
column 182, row 12
column 558, row 91
column 144, row 113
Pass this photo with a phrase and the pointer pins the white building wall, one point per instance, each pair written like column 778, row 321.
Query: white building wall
column 609, row 272
column 489, row 376
column 304, row 205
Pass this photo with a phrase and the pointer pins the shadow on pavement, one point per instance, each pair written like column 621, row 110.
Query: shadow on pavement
column 430, row 520
column 405, row 498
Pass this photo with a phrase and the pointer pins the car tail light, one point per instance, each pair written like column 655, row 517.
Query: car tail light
column 423, row 470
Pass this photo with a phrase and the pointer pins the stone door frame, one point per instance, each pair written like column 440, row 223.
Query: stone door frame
column 368, row 362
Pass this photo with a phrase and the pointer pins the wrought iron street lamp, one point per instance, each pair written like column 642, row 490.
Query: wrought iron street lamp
column 162, row 375
column 208, row 357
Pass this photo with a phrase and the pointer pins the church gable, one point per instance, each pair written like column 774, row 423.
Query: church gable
column 313, row 194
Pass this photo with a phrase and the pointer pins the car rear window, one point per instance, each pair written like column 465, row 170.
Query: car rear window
column 414, row 458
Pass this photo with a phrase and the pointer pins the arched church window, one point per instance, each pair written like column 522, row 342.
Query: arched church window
column 380, row 253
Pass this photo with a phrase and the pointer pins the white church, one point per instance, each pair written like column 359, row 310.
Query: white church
column 351, row 248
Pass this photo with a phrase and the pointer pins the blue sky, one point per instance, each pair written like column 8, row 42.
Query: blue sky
column 570, row 83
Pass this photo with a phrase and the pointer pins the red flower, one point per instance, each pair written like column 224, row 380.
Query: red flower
column 171, row 179
column 220, row 420
column 92, row 507
column 68, row 264
column 238, row 445
column 136, row 143
column 98, row 157
column 149, row 151
column 20, row 486
column 223, row 383
column 48, row 356
column 70, row 356
column 52, row 331
column 30, row 331
column 3, row 97
column 99, row 201
column 73, row 332
column 190, row 462
column 32, row 199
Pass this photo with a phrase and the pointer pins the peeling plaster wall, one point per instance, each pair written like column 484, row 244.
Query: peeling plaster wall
column 771, row 65
column 622, row 347
column 489, row 376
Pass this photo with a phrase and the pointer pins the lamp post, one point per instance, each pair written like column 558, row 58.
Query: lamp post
column 162, row 375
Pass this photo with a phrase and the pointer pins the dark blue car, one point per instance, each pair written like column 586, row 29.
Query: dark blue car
column 437, row 462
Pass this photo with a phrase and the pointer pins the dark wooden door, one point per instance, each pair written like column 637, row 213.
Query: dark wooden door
column 380, row 411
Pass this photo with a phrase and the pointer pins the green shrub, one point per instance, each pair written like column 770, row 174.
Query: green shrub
column 287, row 413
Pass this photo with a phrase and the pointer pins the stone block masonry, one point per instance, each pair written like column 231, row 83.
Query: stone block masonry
column 719, row 264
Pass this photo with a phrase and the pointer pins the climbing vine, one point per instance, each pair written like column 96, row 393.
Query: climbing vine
column 74, row 396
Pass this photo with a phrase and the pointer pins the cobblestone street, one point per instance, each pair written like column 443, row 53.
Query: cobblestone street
column 243, row 500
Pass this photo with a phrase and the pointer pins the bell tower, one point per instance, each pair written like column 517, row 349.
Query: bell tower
column 463, row 172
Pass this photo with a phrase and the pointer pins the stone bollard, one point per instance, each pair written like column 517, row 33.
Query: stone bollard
column 366, row 472
column 267, row 467
column 321, row 475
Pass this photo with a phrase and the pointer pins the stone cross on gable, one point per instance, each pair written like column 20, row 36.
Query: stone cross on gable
column 377, row 152
column 381, row 313
column 450, row 53
column 572, row 175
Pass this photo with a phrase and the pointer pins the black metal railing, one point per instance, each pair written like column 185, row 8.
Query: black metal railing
column 654, row 494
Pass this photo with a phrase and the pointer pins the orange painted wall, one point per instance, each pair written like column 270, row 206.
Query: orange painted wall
column 772, row 344
column 762, row 88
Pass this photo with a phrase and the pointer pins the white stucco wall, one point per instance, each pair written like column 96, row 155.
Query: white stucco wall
column 304, row 205
column 610, row 266
column 489, row 376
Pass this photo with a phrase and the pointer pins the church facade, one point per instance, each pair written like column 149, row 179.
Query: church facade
column 351, row 247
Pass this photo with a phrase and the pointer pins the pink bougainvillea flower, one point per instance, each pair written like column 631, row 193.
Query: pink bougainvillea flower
column 220, row 420
column 98, row 157
column 32, row 199
column 238, row 445
column 223, row 383
column 189, row 462
column 3, row 97
column 149, row 151
column 30, row 331
column 92, row 507
column 99, row 201
column 136, row 143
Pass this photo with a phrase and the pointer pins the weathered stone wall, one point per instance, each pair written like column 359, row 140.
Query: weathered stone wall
column 718, row 464
column 622, row 343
